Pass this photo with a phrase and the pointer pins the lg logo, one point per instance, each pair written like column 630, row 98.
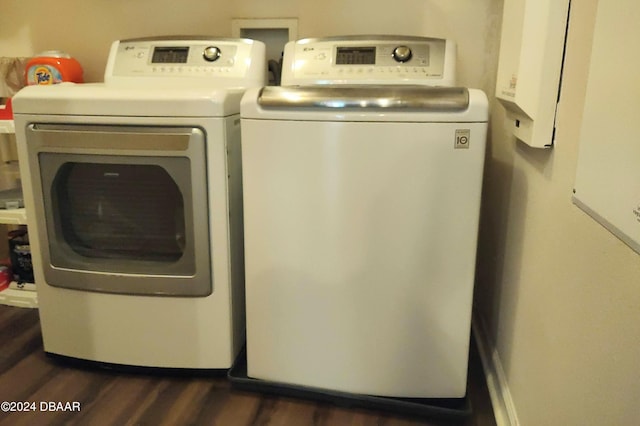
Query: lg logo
column 463, row 137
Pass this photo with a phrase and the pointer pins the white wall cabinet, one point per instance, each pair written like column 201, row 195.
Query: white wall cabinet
column 530, row 67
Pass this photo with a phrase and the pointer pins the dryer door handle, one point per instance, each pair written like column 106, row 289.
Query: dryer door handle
column 112, row 138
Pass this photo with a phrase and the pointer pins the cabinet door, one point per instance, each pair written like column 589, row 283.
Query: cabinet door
column 608, row 175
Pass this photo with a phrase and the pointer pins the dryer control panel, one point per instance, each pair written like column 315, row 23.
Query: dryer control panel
column 177, row 59
column 370, row 60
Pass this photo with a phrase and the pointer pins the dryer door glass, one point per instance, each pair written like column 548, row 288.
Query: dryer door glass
column 120, row 211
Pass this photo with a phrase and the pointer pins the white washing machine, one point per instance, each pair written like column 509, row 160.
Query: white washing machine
column 362, row 183
column 133, row 198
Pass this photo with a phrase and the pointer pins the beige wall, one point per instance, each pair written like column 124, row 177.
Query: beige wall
column 85, row 29
column 560, row 294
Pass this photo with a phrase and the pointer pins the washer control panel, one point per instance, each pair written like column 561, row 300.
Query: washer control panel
column 180, row 58
column 370, row 60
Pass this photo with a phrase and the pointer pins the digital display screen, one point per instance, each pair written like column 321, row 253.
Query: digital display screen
column 170, row 55
column 356, row 56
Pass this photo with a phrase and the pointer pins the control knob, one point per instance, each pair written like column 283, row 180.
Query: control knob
column 402, row 53
column 211, row 53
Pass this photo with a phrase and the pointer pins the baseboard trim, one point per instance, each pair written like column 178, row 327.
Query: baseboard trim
column 501, row 400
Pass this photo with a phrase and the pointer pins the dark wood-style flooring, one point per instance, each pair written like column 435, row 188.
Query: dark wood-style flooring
column 110, row 398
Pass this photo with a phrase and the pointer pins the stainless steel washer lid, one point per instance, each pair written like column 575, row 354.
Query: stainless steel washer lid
column 388, row 97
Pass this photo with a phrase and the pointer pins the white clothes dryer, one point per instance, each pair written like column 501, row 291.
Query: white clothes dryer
column 133, row 197
column 362, row 184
